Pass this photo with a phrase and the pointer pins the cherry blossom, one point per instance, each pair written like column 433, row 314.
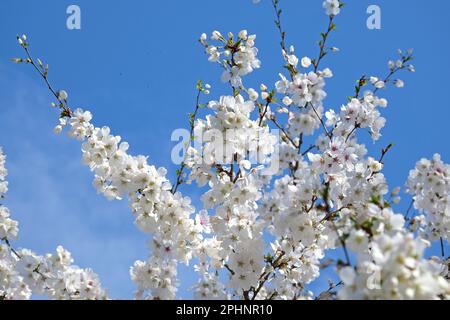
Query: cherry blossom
column 273, row 209
column 23, row 272
column 394, row 269
column 429, row 183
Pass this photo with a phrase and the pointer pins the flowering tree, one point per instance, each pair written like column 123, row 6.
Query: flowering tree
column 274, row 209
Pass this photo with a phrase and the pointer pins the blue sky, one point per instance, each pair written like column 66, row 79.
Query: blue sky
column 134, row 64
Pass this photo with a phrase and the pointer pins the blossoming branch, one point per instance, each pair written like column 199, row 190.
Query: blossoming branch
column 259, row 234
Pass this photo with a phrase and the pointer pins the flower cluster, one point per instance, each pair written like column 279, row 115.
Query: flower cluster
column 302, row 234
column 55, row 276
column 305, row 88
column 209, row 287
column 3, row 173
column 239, row 55
column 394, row 269
column 11, row 283
column 23, row 272
column 237, row 230
column 158, row 211
column 304, row 96
column 9, row 228
column 224, row 163
column 358, row 114
column 271, row 210
column 227, row 135
column 155, row 278
column 429, row 183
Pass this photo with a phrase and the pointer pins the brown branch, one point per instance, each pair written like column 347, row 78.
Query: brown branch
column 63, row 105
column 266, row 275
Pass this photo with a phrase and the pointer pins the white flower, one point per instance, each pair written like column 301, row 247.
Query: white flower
column 399, row 83
column 358, row 241
column 202, row 221
column 242, row 34
column 252, row 94
column 306, row 62
column 287, row 101
column 332, row 7
column 292, row 60
column 327, row 73
column 58, row 129
column 379, row 84
column 8, row 227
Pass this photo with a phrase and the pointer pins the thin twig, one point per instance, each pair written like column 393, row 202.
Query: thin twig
column 284, row 132
column 409, row 209
column 192, row 118
column 309, row 149
column 342, row 241
column 323, row 52
column 321, row 121
column 6, row 240
column 229, row 269
column 357, row 125
column 278, row 24
column 331, row 287
column 263, row 114
column 275, row 264
column 63, row 103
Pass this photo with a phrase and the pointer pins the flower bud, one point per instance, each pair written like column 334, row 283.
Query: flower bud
column 62, row 95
